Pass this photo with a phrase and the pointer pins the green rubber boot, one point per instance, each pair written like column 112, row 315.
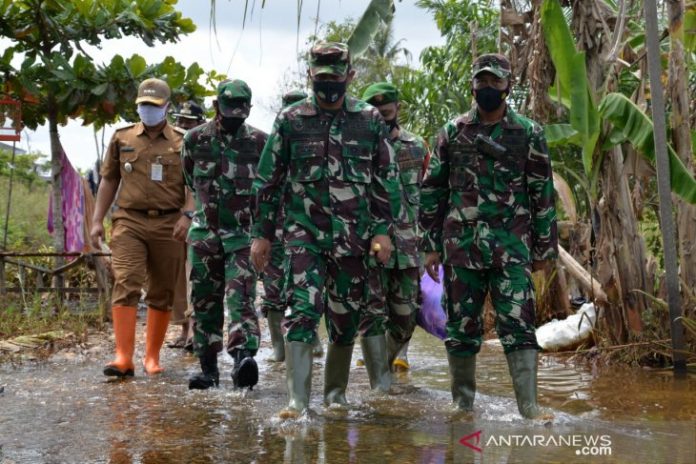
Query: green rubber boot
column 374, row 350
column 336, row 372
column 463, row 373
column 523, row 370
column 275, row 319
column 298, row 362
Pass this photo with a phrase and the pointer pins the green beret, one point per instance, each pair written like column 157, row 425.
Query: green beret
column 381, row 93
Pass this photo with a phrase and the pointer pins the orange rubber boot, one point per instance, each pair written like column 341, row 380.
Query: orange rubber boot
column 155, row 331
column 124, row 318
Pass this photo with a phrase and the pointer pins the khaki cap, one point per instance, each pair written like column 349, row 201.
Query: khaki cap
column 154, row 91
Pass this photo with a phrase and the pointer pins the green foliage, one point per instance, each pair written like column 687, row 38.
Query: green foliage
column 572, row 86
column 48, row 36
column 27, row 224
column 39, row 315
column 650, row 231
column 630, row 123
column 25, row 166
column 634, row 126
column 377, row 15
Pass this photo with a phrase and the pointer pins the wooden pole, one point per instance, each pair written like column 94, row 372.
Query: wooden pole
column 664, row 186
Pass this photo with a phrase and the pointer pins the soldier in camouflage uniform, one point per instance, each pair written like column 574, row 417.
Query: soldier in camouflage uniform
column 487, row 207
column 273, row 302
column 186, row 116
column 220, row 159
column 395, row 288
column 342, row 189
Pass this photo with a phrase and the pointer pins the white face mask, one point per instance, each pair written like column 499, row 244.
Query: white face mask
column 152, row 115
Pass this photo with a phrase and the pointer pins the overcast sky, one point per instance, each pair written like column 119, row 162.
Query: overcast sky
column 265, row 51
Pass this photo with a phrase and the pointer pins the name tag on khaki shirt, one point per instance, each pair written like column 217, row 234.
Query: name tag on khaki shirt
column 156, row 172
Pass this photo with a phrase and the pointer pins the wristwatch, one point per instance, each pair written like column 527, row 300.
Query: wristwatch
column 188, row 214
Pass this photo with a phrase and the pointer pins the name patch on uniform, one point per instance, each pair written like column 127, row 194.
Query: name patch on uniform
column 126, row 149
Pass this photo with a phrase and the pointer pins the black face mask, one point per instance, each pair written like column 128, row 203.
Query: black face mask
column 489, row 99
column 231, row 125
column 392, row 124
column 329, row 91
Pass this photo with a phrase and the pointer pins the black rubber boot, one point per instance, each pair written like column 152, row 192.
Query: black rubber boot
column 209, row 377
column 245, row 373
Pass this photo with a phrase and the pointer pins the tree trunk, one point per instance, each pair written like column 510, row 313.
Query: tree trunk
column 57, row 185
column 539, row 73
column 681, row 138
column 621, row 252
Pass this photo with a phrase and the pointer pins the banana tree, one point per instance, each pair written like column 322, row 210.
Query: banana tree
column 600, row 130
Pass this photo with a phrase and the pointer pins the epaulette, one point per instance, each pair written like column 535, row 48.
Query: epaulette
column 179, row 130
column 129, row 126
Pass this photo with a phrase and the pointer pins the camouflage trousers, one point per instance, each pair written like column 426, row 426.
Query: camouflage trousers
column 512, row 294
column 393, row 301
column 315, row 280
column 220, row 278
column 273, row 279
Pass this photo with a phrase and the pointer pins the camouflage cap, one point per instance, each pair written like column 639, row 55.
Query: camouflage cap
column 189, row 110
column 329, row 58
column 154, row 91
column 293, row 96
column 229, row 92
column 381, row 93
column 493, row 63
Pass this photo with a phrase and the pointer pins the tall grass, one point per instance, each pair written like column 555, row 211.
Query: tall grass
column 28, row 212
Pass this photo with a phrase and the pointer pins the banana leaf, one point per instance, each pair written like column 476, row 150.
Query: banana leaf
column 378, row 12
column 565, row 197
column 561, row 134
column 571, row 75
column 637, row 129
column 690, row 28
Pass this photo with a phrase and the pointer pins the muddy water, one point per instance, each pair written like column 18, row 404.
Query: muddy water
column 63, row 411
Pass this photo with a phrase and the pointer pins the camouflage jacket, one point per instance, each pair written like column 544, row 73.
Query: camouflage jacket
column 490, row 210
column 342, row 179
column 220, row 169
column 411, row 152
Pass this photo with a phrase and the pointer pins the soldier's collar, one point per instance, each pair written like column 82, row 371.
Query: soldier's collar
column 472, row 117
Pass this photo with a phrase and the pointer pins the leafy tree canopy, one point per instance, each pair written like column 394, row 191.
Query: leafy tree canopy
column 47, row 57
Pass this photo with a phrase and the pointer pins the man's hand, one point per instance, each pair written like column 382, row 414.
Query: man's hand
column 381, row 247
column 260, row 253
column 432, row 265
column 545, row 266
column 96, row 235
column 181, row 228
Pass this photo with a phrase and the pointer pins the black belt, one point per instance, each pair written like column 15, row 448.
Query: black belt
column 154, row 212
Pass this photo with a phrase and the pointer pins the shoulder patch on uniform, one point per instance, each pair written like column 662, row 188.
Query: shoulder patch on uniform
column 179, row 130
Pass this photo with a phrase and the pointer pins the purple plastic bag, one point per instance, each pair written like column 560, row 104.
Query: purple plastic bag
column 431, row 316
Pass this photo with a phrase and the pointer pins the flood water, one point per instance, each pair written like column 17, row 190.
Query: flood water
column 63, row 411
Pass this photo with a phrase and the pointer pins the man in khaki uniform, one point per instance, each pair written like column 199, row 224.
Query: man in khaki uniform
column 143, row 165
